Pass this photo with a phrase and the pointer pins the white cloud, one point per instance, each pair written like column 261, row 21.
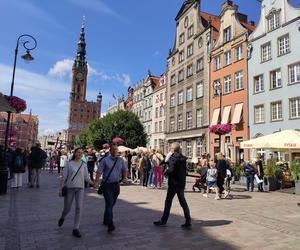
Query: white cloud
column 96, row 5
column 61, row 68
column 124, row 79
column 47, row 131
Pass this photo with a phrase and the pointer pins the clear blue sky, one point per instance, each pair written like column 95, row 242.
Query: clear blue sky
column 124, row 39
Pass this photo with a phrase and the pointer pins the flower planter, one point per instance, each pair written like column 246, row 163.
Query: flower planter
column 272, row 184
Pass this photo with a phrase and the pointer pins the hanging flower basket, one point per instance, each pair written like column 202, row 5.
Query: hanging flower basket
column 118, row 140
column 17, row 103
column 220, row 129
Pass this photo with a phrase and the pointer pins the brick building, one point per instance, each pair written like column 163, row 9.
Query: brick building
column 81, row 112
column 23, row 130
column 228, row 77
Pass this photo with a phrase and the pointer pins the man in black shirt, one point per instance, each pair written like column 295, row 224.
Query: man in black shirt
column 91, row 163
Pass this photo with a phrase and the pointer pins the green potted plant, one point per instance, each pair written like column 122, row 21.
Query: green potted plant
column 270, row 174
column 295, row 172
column 237, row 171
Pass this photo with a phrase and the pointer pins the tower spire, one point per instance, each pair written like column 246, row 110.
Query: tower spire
column 80, row 60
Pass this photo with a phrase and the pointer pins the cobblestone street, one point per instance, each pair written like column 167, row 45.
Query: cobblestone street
column 28, row 220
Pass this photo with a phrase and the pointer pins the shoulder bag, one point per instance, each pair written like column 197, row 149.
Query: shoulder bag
column 100, row 189
column 65, row 188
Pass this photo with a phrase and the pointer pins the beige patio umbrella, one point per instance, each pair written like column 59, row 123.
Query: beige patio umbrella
column 124, row 149
column 286, row 140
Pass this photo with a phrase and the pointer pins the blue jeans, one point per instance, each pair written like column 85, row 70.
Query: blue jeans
column 151, row 177
column 250, row 182
column 111, row 192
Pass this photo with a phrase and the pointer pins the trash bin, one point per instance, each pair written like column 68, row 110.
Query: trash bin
column 3, row 181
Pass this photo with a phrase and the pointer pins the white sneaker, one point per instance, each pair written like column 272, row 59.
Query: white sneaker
column 217, row 198
column 226, row 194
column 205, row 195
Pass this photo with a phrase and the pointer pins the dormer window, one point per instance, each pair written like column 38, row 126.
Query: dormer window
column 273, row 20
column 227, row 34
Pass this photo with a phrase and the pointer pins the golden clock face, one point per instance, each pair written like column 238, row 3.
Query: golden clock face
column 79, row 76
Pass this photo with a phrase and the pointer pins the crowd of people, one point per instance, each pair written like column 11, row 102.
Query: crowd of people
column 83, row 168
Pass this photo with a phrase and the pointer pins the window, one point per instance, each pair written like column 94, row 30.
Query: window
column 160, row 126
column 273, row 20
column 238, row 80
column 266, row 53
column 181, row 75
column 227, row 34
column 199, row 90
column 275, row 78
column 189, row 148
column 295, row 108
column 190, row 50
column 180, row 97
column 155, row 127
column 161, row 111
column 199, row 118
column 190, row 31
column 259, row 84
column 149, row 129
column 217, row 64
column 173, row 79
column 259, row 114
column 161, row 97
column 283, row 45
column 217, row 86
column 200, row 148
column 181, row 56
column 189, row 94
column 156, row 112
column 276, row 111
column 294, row 73
column 179, row 122
column 200, row 65
column 227, row 84
column 189, row 120
column 238, row 53
column 227, row 57
column 189, row 70
column 172, row 124
column 181, row 39
column 172, row 101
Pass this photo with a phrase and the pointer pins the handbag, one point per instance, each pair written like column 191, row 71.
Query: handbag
column 100, row 189
column 65, row 188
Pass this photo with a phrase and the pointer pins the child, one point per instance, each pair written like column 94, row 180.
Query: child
column 212, row 180
column 52, row 163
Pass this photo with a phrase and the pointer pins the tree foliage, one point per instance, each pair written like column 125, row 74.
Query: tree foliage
column 123, row 124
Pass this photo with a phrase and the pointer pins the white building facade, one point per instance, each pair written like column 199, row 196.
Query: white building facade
column 274, row 69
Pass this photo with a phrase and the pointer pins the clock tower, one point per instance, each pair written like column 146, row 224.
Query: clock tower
column 81, row 111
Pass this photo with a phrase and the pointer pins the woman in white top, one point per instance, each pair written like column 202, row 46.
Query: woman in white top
column 74, row 176
column 63, row 160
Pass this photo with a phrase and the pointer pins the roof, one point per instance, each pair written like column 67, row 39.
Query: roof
column 185, row 6
column 155, row 81
column 213, row 20
column 25, row 117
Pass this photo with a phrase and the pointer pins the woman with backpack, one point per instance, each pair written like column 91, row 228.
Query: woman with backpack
column 18, row 168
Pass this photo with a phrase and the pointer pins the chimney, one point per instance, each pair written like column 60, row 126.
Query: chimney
column 252, row 23
column 226, row 4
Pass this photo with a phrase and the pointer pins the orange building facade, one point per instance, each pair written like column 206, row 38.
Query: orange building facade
column 229, row 83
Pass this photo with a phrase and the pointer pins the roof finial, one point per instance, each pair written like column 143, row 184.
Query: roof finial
column 83, row 22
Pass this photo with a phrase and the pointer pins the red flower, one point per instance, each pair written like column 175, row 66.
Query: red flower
column 220, row 129
column 17, row 103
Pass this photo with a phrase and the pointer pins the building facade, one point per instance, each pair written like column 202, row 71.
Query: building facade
column 274, row 70
column 138, row 100
column 187, row 106
column 158, row 115
column 23, row 132
column 81, row 112
column 229, row 85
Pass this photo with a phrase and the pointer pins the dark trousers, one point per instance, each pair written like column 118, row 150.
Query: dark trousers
column 168, row 204
column 145, row 177
column 58, row 166
column 111, row 192
column 220, row 184
column 250, row 182
column 91, row 173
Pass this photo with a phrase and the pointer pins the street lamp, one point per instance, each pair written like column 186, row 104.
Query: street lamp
column 29, row 43
column 218, row 93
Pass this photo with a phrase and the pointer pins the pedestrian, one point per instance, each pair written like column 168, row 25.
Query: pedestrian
column 74, row 176
column 228, row 178
column 151, row 177
column 145, row 165
column 157, row 159
column 134, row 168
column 176, row 184
column 36, row 161
column 112, row 168
column 63, row 160
column 53, row 161
column 18, row 168
column 249, row 173
column 211, row 178
column 260, row 173
column 221, row 168
column 92, row 159
column 58, row 155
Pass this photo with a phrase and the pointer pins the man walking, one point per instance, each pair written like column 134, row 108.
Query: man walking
column 176, row 184
column 36, row 161
column 112, row 168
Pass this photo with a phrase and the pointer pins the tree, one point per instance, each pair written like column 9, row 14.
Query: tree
column 121, row 123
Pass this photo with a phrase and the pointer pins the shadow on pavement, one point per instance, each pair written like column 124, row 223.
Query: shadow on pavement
column 238, row 197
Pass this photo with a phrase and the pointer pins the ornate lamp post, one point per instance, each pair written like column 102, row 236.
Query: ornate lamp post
column 29, row 43
column 218, row 92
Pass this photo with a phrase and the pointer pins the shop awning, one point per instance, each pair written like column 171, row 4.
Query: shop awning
column 237, row 115
column 215, row 117
column 225, row 116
